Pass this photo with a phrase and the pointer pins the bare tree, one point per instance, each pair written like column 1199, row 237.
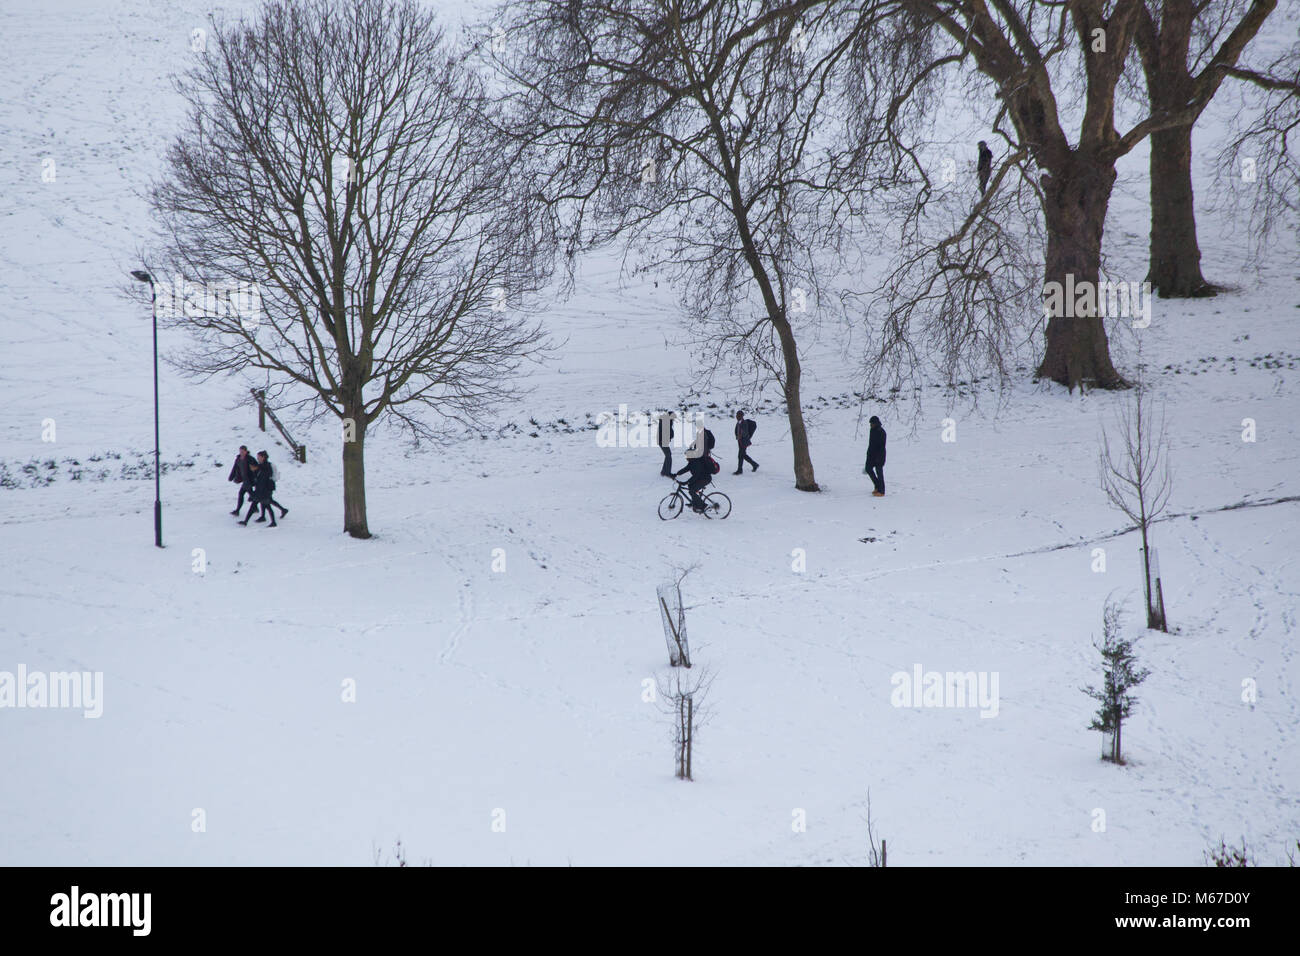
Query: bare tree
column 955, row 296
column 1031, row 50
column 339, row 156
column 1137, row 480
column 701, row 133
column 1179, row 44
column 681, row 696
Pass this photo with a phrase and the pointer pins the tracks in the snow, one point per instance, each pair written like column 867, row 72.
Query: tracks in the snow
column 860, row 577
column 1123, row 531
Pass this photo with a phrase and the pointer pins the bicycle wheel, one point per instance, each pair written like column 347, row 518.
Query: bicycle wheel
column 670, row 507
column 719, row 505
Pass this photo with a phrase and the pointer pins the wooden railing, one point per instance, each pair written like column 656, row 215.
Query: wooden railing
column 299, row 451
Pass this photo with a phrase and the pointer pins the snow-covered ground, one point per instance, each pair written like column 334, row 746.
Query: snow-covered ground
column 484, row 696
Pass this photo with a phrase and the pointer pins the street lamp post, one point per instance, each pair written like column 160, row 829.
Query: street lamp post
column 143, row 276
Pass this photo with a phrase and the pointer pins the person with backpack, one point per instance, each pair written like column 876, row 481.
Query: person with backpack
column 875, row 466
column 665, row 438
column 703, row 444
column 242, row 472
column 263, row 487
column 702, row 469
column 745, row 429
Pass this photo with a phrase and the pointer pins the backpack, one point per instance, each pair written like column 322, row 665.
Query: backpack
column 751, row 426
column 713, row 463
column 709, row 440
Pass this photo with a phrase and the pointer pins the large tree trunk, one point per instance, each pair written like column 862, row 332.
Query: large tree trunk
column 803, row 467
column 1175, row 270
column 354, row 481
column 1075, row 197
column 1175, row 256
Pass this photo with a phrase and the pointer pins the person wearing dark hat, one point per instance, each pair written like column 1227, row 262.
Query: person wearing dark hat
column 985, row 166
column 875, row 466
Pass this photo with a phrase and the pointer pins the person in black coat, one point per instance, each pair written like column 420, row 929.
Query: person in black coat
column 876, row 457
column 985, row 166
column 263, row 486
column 242, row 472
column 665, row 439
column 271, row 499
column 744, row 438
column 701, row 470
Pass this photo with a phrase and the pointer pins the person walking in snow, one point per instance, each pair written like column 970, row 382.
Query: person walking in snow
column 985, row 166
column 242, row 472
column 665, row 439
column 875, row 466
column 275, row 472
column 263, row 487
column 745, row 429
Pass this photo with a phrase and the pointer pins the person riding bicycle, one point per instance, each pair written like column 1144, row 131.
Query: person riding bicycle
column 701, row 469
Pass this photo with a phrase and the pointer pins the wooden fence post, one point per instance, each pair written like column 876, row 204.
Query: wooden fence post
column 690, row 727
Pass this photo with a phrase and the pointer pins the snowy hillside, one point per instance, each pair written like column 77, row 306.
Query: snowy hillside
column 485, row 694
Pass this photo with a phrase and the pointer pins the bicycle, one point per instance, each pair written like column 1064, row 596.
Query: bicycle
column 716, row 504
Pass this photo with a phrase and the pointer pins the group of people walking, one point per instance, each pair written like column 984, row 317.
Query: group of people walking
column 256, row 475
column 702, row 467
column 256, row 478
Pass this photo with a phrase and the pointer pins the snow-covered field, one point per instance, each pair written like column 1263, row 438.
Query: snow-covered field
column 485, row 696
